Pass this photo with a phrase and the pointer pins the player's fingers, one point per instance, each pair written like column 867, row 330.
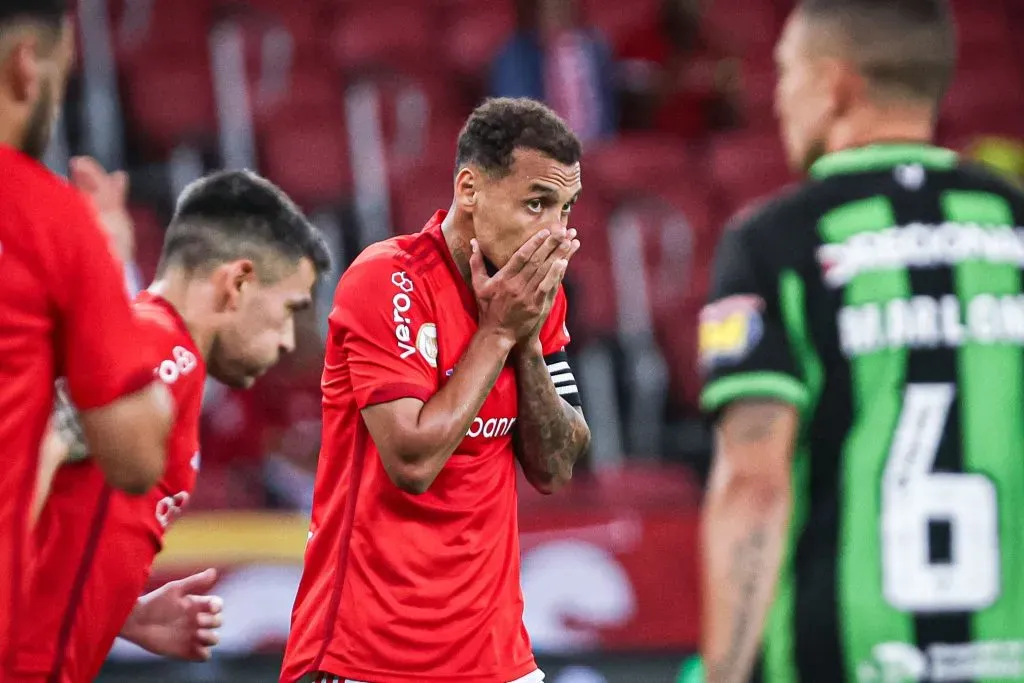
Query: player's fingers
column 198, row 583
column 206, row 620
column 119, row 183
column 201, row 654
column 563, row 251
column 574, row 249
column 522, row 259
column 547, row 249
column 84, row 174
column 554, row 276
column 207, row 637
column 477, row 268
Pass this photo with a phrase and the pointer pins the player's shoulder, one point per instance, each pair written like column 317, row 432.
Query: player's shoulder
column 781, row 211
column 161, row 324
column 414, row 255
column 971, row 175
column 30, row 181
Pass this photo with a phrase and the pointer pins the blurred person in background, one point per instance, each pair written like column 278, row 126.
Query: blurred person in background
column 676, row 78
column 239, row 260
column 445, row 366
column 63, row 309
column 866, row 374
column 554, row 58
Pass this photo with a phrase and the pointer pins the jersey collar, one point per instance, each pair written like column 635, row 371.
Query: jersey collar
column 880, row 157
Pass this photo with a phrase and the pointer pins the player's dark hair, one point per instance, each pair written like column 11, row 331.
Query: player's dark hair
column 903, row 47
column 501, row 125
column 50, row 13
column 237, row 214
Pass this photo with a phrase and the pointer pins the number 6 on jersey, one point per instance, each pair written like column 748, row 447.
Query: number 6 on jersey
column 914, row 499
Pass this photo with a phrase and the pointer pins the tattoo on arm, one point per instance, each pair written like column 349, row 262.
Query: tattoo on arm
column 748, row 568
column 551, row 434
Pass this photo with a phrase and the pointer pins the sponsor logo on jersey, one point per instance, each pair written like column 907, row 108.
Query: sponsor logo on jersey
column 402, row 303
column 181, row 363
column 924, row 322
column 920, row 245
column 426, row 343
column 491, row 428
column 730, row 329
column 905, row 663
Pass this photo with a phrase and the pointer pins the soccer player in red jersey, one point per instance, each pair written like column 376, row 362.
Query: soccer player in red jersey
column 445, row 365
column 63, row 309
column 239, row 260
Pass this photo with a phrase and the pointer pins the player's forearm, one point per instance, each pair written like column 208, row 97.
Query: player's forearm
column 744, row 530
column 550, row 434
column 445, row 419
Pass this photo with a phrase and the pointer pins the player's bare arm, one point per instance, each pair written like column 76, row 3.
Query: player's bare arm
column 746, row 513
column 415, row 439
column 128, row 438
column 551, row 433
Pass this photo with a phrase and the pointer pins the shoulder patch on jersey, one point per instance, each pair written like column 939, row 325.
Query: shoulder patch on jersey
column 426, row 343
column 730, row 329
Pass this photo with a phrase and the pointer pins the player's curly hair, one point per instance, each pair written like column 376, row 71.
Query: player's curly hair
column 48, row 12
column 501, row 125
column 904, row 48
column 230, row 215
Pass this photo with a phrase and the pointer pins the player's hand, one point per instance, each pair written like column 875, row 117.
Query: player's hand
column 178, row 620
column 109, row 194
column 515, row 300
column 572, row 245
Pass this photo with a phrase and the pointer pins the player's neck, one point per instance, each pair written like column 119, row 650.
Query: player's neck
column 190, row 302
column 457, row 234
column 872, row 126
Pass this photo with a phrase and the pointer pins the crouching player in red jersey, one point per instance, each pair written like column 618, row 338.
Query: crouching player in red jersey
column 445, row 365
column 239, row 260
column 63, row 311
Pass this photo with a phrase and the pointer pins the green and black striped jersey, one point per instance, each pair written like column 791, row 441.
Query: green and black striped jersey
column 884, row 299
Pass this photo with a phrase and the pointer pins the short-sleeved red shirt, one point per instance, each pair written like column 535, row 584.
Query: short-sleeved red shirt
column 397, row 587
column 95, row 545
column 63, row 311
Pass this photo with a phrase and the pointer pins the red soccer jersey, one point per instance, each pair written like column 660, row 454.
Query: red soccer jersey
column 63, row 311
column 400, row 588
column 95, row 545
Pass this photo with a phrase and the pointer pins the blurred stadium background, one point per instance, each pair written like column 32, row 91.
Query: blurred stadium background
column 353, row 107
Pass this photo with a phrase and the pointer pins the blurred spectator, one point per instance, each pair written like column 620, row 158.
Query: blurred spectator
column 1003, row 155
column 552, row 57
column 676, row 78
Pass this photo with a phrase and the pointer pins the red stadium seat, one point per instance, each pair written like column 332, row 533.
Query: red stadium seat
column 141, row 27
column 751, row 27
column 307, row 155
column 389, row 34
column 418, row 191
column 149, row 240
column 169, row 99
column 747, row 166
column 472, row 34
column 637, row 162
column 617, row 19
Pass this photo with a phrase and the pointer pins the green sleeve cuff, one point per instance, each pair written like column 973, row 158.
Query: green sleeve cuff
column 774, row 385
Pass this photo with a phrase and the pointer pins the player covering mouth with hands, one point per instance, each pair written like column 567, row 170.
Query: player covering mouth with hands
column 445, row 366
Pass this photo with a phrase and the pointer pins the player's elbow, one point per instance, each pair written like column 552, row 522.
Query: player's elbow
column 410, row 478
column 128, row 438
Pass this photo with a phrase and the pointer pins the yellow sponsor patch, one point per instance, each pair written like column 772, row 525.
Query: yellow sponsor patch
column 730, row 329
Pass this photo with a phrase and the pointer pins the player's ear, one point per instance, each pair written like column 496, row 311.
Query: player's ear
column 846, row 86
column 466, row 186
column 23, row 68
column 231, row 281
